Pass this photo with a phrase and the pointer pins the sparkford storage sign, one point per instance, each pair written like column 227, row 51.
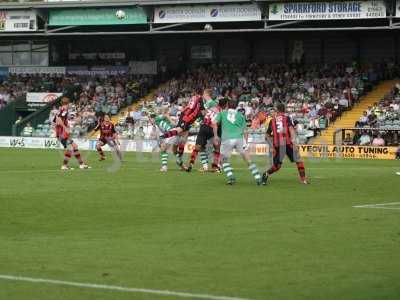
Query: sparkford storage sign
column 327, row 10
column 363, row 152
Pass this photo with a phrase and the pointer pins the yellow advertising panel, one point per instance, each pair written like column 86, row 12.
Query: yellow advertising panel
column 326, row 151
column 343, row 151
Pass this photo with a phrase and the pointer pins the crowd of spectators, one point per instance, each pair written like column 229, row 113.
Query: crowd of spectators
column 16, row 86
column 314, row 95
column 92, row 96
column 380, row 124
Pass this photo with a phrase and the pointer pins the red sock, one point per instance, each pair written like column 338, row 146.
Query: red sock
column 101, row 153
column 78, row 156
column 193, row 156
column 273, row 169
column 217, row 157
column 67, row 156
column 181, row 149
column 301, row 169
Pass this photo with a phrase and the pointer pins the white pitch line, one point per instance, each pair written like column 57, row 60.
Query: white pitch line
column 118, row 288
column 375, row 205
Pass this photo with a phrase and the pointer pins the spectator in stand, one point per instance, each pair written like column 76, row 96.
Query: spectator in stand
column 129, row 117
column 372, row 119
column 348, row 140
column 343, row 102
column 140, row 134
column 241, row 108
column 18, row 120
column 378, row 141
column 28, row 130
column 365, row 139
column 363, row 121
column 136, row 115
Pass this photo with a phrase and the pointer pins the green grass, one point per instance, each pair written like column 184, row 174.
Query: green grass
column 191, row 233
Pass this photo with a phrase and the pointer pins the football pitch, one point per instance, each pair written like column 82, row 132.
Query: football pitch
column 131, row 232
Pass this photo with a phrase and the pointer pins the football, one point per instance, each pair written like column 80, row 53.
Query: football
column 120, row 14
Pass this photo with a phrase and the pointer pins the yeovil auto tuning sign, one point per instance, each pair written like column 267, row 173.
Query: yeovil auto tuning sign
column 207, row 13
column 327, row 10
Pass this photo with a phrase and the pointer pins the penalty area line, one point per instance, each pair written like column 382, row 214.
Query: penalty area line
column 118, row 288
column 379, row 205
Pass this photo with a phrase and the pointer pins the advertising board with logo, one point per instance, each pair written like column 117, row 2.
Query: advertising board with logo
column 17, row 20
column 207, row 13
column 335, row 10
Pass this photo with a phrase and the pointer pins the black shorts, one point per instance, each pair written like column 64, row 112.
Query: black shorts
column 206, row 132
column 279, row 154
column 184, row 125
column 65, row 142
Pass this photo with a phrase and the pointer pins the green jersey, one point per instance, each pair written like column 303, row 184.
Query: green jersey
column 233, row 124
column 163, row 123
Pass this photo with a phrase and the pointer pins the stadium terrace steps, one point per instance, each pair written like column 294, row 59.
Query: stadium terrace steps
column 115, row 119
column 350, row 117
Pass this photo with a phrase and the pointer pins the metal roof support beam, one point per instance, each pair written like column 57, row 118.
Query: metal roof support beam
column 105, row 33
column 166, row 26
column 281, row 24
column 61, row 29
column 229, row 30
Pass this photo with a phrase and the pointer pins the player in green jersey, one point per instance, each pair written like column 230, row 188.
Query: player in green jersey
column 234, row 134
column 164, row 124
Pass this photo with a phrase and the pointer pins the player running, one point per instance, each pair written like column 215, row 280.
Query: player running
column 233, row 126
column 164, row 124
column 212, row 108
column 108, row 136
column 63, row 135
column 281, row 135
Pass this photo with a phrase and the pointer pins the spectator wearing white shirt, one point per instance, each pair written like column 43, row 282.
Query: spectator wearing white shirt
column 363, row 120
column 365, row 139
column 28, row 130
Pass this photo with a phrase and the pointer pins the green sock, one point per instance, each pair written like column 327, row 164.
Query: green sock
column 254, row 171
column 228, row 170
column 203, row 158
column 164, row 158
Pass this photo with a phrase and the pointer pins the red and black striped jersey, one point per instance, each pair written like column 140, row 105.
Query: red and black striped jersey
column 191, row 112
column 279, row 128
column 63, row 115
column 107, row 130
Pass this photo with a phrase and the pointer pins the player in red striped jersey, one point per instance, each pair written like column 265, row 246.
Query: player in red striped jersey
column 108, row 136
column 189, row 114
column 212, row 108
column 63, row 135
column 282, row 135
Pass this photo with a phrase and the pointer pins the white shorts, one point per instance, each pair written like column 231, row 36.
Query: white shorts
column 174, row 140
column 227, row 146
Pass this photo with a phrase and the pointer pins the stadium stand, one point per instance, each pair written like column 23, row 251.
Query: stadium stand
column 91, row 96
column 315, row 96
column 379, row 123
column 350, row 117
